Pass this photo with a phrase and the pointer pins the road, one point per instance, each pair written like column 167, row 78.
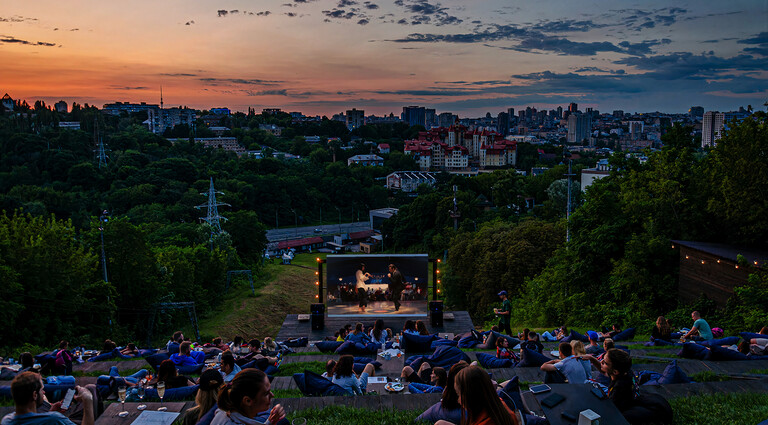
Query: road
column 275, row 235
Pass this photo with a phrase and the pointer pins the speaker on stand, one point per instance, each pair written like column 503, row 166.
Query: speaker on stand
column 317, row 316
column 436, row 314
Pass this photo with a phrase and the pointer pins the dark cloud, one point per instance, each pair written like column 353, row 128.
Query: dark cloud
column 760, row 40
column 343, row 14
column 288, row 5
column 177, row 74
column 564, row 46
column 346, row 3
column 264, row 13
column 363, row 22
column 130, row 88
column 303, row 1
column 596, row 69
column 565, row 25
column 222, row 13
column 424, row 12
column 492, row 33
column 290, row 14
column 16, row 19
column 237, row 81
column 371, row 6
column 686, row 65
column 280, row 92
column 189, row 23
column 7, row 39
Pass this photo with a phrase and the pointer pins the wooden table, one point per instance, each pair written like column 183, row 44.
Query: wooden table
column 579, row 397
column 110, row 415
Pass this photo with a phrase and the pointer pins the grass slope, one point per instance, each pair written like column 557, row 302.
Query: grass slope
column 280, row 290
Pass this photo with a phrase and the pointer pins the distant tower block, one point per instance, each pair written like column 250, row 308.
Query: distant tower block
column 213, row 218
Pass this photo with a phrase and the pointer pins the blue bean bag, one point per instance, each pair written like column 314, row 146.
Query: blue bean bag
column 488, row 361
column 191, row 370
column 530, row 358
column 444, row 356
column 328, row 346
column 296, row 342
column 349, row 347
column 60, row 380
column 731, row 340
column 208, row 417
column 647, row 377
column 438, row 342
column 312, row 384
column 45, row 358
column 746, row 336
column 155, row 359
column 417, row 343
column 366, row 360
column 717, row 352
column 658, row 342
column 417, row 388
column 510, row 394
column 575, row 336
column 146, row 352
column 691, row 350
column 468, row 342
column 672, row 375
column 198, row 356
column 625, row 335
column 172, row 394
column 173, row 348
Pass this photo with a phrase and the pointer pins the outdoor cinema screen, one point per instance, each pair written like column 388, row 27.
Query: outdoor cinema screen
column 365, row 285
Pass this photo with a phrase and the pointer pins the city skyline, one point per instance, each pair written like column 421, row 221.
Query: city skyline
column 324, row 57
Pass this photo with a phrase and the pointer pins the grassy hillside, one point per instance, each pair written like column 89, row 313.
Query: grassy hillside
column 280, row 290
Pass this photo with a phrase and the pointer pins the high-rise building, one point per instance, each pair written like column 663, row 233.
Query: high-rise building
column 696, row 112
column 61, row 107
column 573, row 107
column 414, row 115
column 618, row 113
column 559, row 112
column 579, row 127
column 446, row 119
column 711, row 128
column 511, row 112
column 430, row 118
column 502, row 123
column 355, row 118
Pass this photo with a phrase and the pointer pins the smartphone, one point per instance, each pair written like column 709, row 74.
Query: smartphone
column 536, row 389
column 68, row 399
column 598, row 392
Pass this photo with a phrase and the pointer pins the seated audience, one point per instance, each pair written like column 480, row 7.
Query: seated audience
column 177, row 339
column 183, row 358
column 218, row 343
column 437, row 380
column 532, row 343
column 661, row 330
column 448, row 407
column 378, row 334
column 28, row 394
column 410, row 328
column 63, row 359
column 341, row 335
column 615, row 330
column 330, row 365
column 262, row 361
column 27, row 362
column 167, row 373
column 700, row 330
column 617, row 365
column 245, row 397
column 236, row 347
column 358, row 335
column 558, row 334
column 205, row 400
column 108, row 347
column 478, row 398
column 420, row 377
column 607, row 345
column 344, row 375
column 503, row 351
column 578, row 351
column 567, row 368
column 421, row 328
column 270, row 346
column 228, row 366
column 594, row 345
column 130, row 350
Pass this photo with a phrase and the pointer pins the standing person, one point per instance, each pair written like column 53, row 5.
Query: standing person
column 362, row 291
column 700, row 329
column 395, row 284
column 504, row 313
column 28, row 395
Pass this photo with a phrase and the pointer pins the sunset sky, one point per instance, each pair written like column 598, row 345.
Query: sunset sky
column 322, row 57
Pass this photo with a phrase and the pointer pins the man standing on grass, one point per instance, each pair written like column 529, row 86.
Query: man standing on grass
column 505, row 313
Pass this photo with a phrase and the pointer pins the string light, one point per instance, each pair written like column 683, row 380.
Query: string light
column 317, row 296
column 718, row 261
column 438, row 271
column 318, row 259
column 702, row 261
column 686, row 257
column 737, row 266
column 317, row 282
column 673, row 246
column 439, row 260
column 317, row 273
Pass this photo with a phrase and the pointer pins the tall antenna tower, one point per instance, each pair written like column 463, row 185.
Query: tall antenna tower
column 101, row 150
column 161, row 97
column 213, row 218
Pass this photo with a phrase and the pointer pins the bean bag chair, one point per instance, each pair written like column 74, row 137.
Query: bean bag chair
column 417, row 388
column 349, row 347
column 647, row 377
column 488, row 361
column 746, row 336
column 510, row 394
column 658, row 342
column 366, row 360
column 530, row 358
column 625, row 335
column 672, row 375
column 173, row 348
column 102, row 357
column 60, row 380
column 311, row 384
column 649, row 408
column 444, row 356
column 717, row 352
column 155, row 359
column 296, row 342
column 691, row 350
column 191, row 370
column 622, row 348
column 438, row 342
column 417, row 343
column 328, row 346
column 146, row 352
column 172, row 394
column 490, row 342
column 468, row 341
column 44, row 358
column 731, row 340
column 5, row 392
column 575, row 336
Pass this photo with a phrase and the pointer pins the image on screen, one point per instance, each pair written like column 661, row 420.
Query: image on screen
column 365, row 285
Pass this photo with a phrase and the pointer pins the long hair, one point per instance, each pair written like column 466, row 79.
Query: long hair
column 247, row 383
column 409, row 326
column 378, row 328
column 662, row 325
column 206, row 398
column 578, row 348
column 478, row 397
column 166, row 371
column 450, row 400
column 441, row 375
column 344, row 367
column 422, row 328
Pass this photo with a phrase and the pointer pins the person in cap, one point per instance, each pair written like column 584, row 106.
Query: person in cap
column 206, row 398
column 505, row 313
column 594, row 346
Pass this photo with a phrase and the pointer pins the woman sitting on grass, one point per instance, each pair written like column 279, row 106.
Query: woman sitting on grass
column 344, row 375
column 244, row 398
column 478, row 398
column 437, row 380
column 448, row 408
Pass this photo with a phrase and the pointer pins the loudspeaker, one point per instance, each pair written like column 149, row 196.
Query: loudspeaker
column 436, row 314
column 317, row 316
